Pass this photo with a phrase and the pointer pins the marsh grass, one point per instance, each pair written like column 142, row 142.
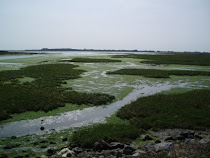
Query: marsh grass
column 45, row 92
column 185, row 110
column 180, row 59
column 87, row 136
column 91, row 60
column 155, row 73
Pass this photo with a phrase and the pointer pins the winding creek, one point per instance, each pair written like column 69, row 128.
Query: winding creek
column 79, row 118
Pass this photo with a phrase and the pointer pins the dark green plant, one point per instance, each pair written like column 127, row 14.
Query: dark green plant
column 45, row 93
column 87, row 136
column 155, row 73
column 177, row 58
column 185, row 110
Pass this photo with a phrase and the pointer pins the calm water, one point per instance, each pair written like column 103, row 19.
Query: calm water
column 10, row 57
column 18, row 57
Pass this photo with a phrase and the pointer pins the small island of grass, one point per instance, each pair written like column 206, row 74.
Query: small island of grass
column 155, row 73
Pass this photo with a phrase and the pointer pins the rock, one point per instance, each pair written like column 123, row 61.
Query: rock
column 187, row 134
column 169, row 139
column 106, row 153
column 50, row 151
column 101, row 145
column 129, row 150
column 77, row 150
column 136, row 154
column 35, row 143
column 128, row 156
column 66, row 153
column 165, row 146
column 163, row 134
column 141, row 151
column 190, row 136
column 42, row 128
column 146, row 137
column 43, row 146
column 198, row 136
column 52, row 130
column 64, row 139
column 43, row 141
column 205, row 140
column 148, row 148
column 13, row 137
column 113, row 152
column 190, row 141
column 52, row 142
column 119, row 154
column 85, row 155
column 180, row 138
column 157, row 141
column 116, row 145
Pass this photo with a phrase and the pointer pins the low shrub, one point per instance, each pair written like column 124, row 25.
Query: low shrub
column 201, row 59
column 155, row 73
column 87, row 136
column 186, row 110
column 45, row 92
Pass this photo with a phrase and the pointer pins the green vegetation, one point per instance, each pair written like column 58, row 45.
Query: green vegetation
column 185, row 110
column 37, row 114
column 87, row 136
column 89, row 60
column 181, row 59
column 155, row 73
column 2, row 52
column 33, row 145
column 45, row 92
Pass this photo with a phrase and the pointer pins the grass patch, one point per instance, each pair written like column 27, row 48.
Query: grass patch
column 180, row 59
column 89, row 60
column 154, row 73
column 34, row 115
column 26, row 80
column 185, row 110
column 32, row 145
column 45, row 92
column 87, row 136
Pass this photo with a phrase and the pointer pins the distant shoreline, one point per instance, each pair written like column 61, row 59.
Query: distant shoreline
column 45, row 50
column 108, row 50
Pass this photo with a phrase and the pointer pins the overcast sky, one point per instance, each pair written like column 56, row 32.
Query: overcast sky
column 179, row 25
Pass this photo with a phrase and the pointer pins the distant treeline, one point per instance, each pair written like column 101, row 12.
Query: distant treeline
column 3, row 52
column 108, row 50
column 92, row 50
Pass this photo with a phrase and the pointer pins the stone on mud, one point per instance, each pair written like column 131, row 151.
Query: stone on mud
column 129, row 150
column 116, row 145
column 101, row 145
column 163, row 146
column 66, row 152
